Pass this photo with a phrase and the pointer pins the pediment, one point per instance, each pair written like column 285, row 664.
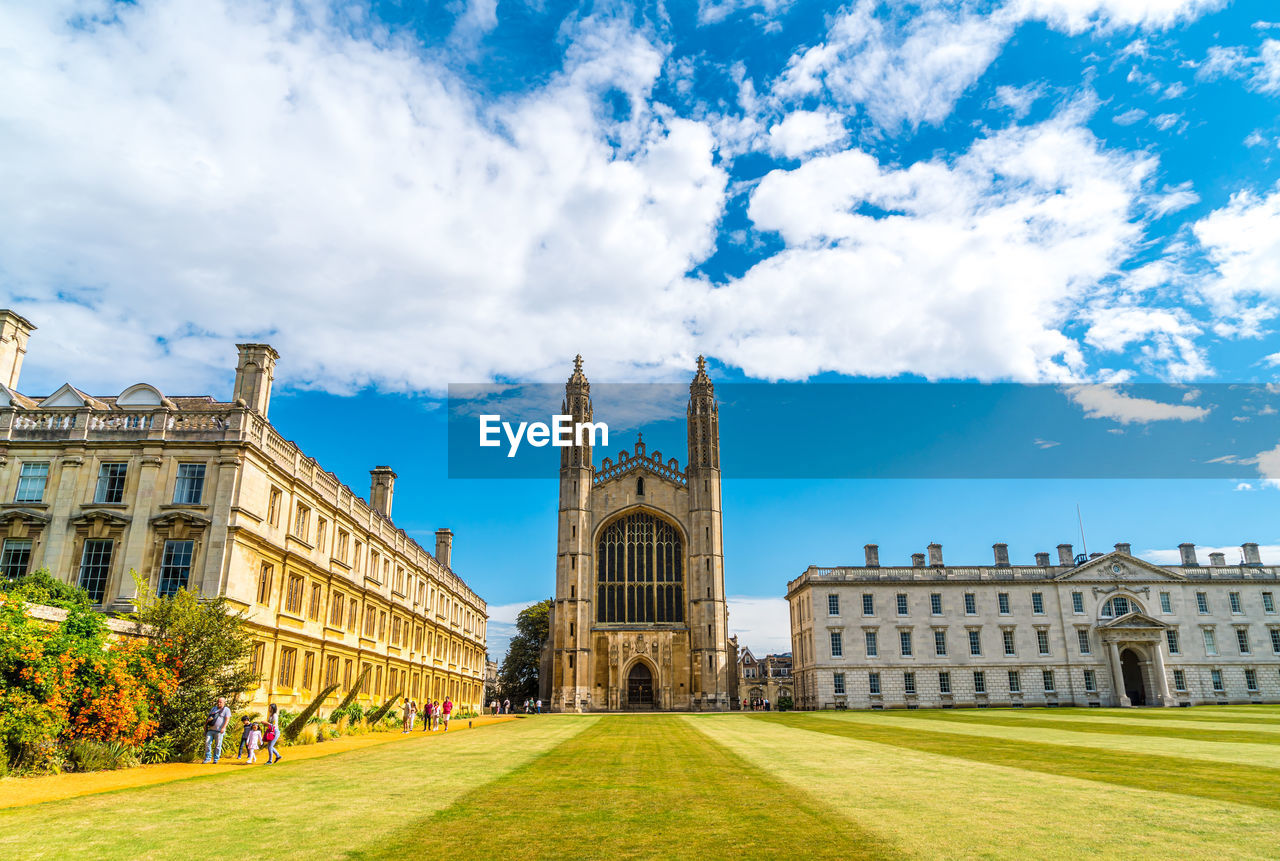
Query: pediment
column 1119, row 567
column 142, row 395
column 1134, row 621
column 68, row 396
column 106, row 515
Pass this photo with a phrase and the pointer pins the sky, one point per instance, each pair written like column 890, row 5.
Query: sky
column 400, row 196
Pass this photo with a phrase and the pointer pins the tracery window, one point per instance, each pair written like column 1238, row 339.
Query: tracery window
column 640, row 571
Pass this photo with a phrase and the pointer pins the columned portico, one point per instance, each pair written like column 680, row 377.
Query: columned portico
column 1137, row 641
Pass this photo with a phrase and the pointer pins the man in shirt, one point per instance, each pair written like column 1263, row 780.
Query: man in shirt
column 215, row 727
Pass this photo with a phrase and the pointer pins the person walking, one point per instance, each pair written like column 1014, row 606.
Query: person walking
column 255, row 742
column 406, row 722
column 271, row 734
column 447, row 708
column 427, row 712
column 246, row 726
column 506, row 706
column 539, row 705
column 215, row 729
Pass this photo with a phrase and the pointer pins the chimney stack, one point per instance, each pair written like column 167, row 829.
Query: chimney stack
column 444, row 546
column 1002, row 555
column 1042, row 559
column 254, row 372
column 1218, row 560
column 873, row 555
column 935, row 555
column 1065, row 556
column 381, row 489
column 1188, row 553
column 1125, row 548
column 917, row 560
column 1251, row 557
column 14, row 332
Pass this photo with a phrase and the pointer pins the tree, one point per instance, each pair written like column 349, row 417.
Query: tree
column 518, row 677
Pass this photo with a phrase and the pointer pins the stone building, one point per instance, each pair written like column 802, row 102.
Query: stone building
column 1108, row 630
column 196, row 492
column 639, row 619
column 767, row 678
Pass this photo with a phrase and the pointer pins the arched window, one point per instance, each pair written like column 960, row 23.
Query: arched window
column 640, row 571
column 1120, row 605
column 640, row 486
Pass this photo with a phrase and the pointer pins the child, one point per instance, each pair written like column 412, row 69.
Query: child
column 255, row 742
column 244, row 736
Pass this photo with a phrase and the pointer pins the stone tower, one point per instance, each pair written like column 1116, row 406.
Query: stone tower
column 639, row 619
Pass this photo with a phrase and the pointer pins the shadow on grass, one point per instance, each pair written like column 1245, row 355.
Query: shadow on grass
column 1114, row 727
column 635, row 788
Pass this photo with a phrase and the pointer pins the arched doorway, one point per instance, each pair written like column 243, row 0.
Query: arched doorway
column 1135, row 687
column 640, row 686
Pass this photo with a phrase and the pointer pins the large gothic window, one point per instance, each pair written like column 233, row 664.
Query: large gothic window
column 639, row 571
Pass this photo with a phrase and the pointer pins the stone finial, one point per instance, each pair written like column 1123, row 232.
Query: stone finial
column 1002, row 555
column 1187, row 551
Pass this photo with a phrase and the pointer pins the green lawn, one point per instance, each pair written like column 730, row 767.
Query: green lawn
column 1190, row 783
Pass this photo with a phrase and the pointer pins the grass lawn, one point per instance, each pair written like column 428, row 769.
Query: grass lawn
column 1058, row 783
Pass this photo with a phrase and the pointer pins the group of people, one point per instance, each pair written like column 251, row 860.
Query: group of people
column 434, row 714
column 759, row 705
column 253, row 735
column 503, row 707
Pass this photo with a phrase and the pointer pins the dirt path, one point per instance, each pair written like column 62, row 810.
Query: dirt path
column 21, row 791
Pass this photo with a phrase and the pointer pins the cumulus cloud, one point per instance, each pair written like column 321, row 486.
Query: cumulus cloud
column 1260, row 71
column 761, row 624
column 1107, row 402
column 1075, row 16
column 802, row 132
column 1242, row 242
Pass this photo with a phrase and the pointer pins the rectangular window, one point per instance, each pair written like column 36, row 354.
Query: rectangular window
column 1015, row 682
column 1010, row 645
column 374, row 566
column 873, row 648
column 1215, row 678
column 837, row 644
column 1251, row 681
column 873, row 683
column 257, row 659
column 1242, row 640
column 868, row 605
column 1166, row 603
column 31, row 481
column 837, row 682
column 904, row 643
column 288, row 660
column 1002, row 601
column 833, row 605
column 15, row 559
column 935, row 603
column 1083, row 636
column 353, row 614
column 1180, row 681
column 1037, row 603
column 940, row 643
column 293, row 594
column 975, row 643
column 317, row 598
column 301, row 521
column 340, row 551
column 979, row 682
column 970, row 604
column 902, row 604
column 175, row 566
column 188, row 489
column 308, row 667
column 1275, row 640
column 1171, row 637
column 909, row 683
column 1268, row 602
column 1077, row 602
column 265, row 575
column 357, row 558
column 1090, row 682
column 1210, row 642
column 1048, row 681
column 1202, row 603
column 95, row 567
column 944, row 683
column 273, row 507
column 331, row 670
column 1234, row 598
column 110, row 488
column 1042, row 642
column 322, row 532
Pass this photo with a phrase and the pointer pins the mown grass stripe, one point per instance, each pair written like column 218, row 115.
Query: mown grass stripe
column 1194, row 777
column 635, row 787
column 1228, row 722
column 1112, row 727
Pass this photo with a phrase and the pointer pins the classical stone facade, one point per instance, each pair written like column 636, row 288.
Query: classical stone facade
column 191, row 491
column 767, row 678
column 1111, row 630
column 639, row 618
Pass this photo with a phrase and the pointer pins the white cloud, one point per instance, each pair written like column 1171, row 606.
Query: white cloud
column 1242, row 242
column 1129, row 117
column 1044, row 443
column 761, row 624
column 501, row 627
column 1234, row 555
column 1075, row 16
column 1167, row 336
column 1019, row 99
column 1107, row 402
column 1164, row 122
column 802, row 132
column 971, row 269
column 1244, row 485
column 1260, row 72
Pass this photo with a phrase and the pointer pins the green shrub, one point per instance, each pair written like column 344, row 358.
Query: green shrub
column 39, row 587
column 86, row 755
column 156, row 750
column 785, row 704
column 379, row 713
column 295, row 726
column 353, row 693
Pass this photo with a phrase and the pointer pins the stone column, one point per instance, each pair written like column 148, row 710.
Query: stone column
column 1117, row 675
column 136, row 544
column 1162, row 688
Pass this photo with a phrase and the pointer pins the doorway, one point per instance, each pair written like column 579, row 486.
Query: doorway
column 640, row 687
column 1135, row 687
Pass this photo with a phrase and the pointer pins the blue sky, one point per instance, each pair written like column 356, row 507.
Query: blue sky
column 404, row 195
